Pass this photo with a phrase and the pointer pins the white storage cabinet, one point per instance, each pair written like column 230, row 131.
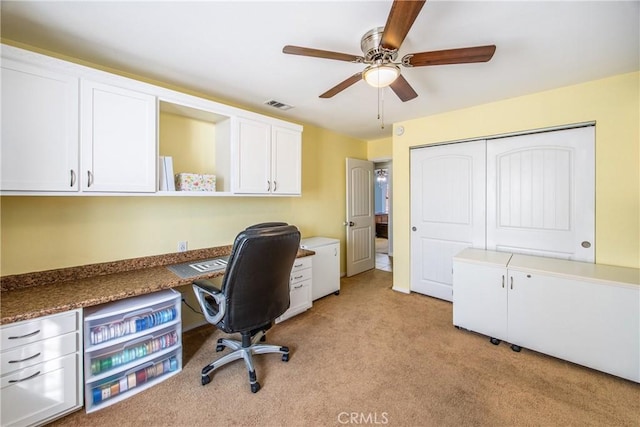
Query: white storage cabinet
column 326, row 265
column 581, row 312
column 300, row 284
column 41, row 369
column 266, row 159
column 130, row 345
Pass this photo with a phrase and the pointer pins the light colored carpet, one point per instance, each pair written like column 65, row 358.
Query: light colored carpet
column 382, row 357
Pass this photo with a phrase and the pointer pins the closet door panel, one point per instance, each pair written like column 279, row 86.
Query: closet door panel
column 540, row 194
column 447, row 212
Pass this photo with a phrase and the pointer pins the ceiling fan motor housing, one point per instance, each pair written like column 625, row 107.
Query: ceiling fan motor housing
column 373, row 51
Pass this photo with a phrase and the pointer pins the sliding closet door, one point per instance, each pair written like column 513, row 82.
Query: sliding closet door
column 540, row 194
column 447, row 212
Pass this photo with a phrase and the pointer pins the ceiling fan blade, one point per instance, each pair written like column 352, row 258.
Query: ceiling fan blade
column 317, row 53
column 463, row 55
column 342, row 86
column 403, row 89
column 401, row 18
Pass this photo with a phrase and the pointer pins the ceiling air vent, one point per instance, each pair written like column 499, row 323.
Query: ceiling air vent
column 279, row 105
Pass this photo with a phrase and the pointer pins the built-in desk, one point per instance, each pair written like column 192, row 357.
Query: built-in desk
column 32, row 295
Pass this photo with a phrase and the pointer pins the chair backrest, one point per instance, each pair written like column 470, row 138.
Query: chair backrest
column 256, row 281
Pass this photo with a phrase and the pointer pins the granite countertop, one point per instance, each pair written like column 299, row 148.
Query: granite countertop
column 32, row 295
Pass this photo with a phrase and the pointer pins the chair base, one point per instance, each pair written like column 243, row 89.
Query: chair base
column 251, row 346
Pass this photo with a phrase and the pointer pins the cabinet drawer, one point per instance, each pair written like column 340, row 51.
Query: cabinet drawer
column 38, row 352
column 131, row 318
column 118, row 387
column 301, row 263
column 29, row 331
column 299, row 276
column 117, row 358
column 37, row 393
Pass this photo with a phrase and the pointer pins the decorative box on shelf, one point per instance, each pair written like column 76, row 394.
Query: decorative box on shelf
column 195, row 182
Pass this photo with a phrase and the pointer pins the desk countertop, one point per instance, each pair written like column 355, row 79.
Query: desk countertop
column 32, row 295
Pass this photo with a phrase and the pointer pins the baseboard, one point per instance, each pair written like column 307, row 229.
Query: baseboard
column 401, row 290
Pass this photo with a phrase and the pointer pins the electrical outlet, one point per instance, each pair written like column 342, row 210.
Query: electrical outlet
column 182, row 246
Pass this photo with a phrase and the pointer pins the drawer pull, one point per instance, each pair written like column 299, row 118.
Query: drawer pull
column 297, row 277
column 25, row 359
column 25, row 336
column 25, row 379
column 297, row 265
column 298, row 287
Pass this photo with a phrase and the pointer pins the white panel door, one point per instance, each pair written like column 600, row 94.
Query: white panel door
column 360, row 217
column 253, row 158
column 447, row 212
column 118, row 139
column 39, row 129
column 286, row 161
column 540, row 194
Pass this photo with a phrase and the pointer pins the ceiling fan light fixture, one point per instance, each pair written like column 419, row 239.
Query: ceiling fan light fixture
column 381, row 75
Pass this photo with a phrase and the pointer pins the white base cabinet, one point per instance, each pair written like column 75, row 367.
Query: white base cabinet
column 300, row 288
column 585, row 313
column 41, row 369
column 131, row 345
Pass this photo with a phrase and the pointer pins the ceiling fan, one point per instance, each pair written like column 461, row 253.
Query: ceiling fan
column 380, row 49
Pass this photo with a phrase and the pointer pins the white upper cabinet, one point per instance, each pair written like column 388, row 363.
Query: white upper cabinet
column 39, row 129
column 118, row 139
column 68, row 129
column 267, row 159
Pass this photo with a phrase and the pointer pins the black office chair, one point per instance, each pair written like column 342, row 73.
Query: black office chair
column 254, row 292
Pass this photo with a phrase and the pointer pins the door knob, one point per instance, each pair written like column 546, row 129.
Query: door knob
column 349, row 223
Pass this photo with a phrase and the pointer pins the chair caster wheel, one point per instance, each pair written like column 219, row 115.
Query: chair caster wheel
column 219, row 347
column 336, row 293
column 494, row 341
column 516, row 348
column 255, row 387
column 285, row 357
column 206, row 380
column 263, row 338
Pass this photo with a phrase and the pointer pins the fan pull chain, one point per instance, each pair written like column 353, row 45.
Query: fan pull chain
column 381, row 107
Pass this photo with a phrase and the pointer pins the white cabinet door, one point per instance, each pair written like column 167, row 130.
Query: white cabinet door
column 253, row 158
column 118, row 138
column 480, row 292
column 591, row 324
column 39, row 129
column 267, row 159
column 286, row 161
column 447, row 212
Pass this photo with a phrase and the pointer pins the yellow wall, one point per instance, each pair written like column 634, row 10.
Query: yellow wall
column 190, row 143
column 613, row 103
column 380, row 149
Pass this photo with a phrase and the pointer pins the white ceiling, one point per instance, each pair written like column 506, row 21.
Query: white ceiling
column 232, row 50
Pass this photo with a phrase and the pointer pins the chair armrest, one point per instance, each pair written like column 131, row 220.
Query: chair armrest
column 204, row 287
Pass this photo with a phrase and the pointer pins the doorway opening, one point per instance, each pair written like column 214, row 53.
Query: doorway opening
column 382, row 204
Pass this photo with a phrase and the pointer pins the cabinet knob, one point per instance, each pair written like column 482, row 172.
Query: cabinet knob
column 586, row 244
column 414, row 229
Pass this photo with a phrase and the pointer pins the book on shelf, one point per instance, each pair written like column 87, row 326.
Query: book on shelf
column 165, row 174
